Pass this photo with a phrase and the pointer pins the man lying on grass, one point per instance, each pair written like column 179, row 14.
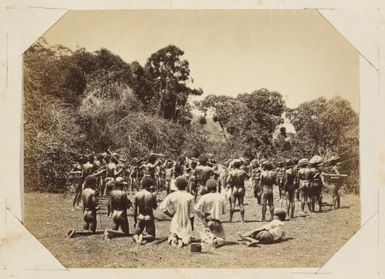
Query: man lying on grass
column 269, row 233
column 90, row 206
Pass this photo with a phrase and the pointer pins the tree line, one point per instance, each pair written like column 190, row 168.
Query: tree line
column 80, row 101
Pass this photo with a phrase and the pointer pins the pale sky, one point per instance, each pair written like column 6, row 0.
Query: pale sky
column 297, row 53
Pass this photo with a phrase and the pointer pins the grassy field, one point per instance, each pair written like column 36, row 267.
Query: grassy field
column 312, row 239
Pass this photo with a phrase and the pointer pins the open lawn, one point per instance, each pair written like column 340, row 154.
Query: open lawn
column 312, row 239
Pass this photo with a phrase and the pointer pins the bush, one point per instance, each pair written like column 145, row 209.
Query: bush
column 51, row 142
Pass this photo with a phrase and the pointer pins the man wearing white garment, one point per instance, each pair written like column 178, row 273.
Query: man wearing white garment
column 210, row 208
column 180, row 206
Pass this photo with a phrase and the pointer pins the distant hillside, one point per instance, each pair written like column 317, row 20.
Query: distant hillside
column 213, row 130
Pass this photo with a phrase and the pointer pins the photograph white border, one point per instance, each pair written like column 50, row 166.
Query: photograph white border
column 362, row 23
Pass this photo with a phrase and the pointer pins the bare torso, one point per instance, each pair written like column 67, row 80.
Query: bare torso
column 119, row 200
column 203, row 173
column 145, row 203
column 87, row 169
column 304, row 174
column 150, row 169
column 89, row 199
column 268, row 179
column 237, row 178
column 110, row 169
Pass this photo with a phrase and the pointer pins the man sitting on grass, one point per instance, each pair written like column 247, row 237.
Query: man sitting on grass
column 90, row 206
column 269, row 233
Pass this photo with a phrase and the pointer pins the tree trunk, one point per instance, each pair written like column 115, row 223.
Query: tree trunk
column 160, row 103
column 223, row 131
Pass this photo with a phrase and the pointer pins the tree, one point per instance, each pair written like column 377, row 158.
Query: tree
column 247, row 121
column 326, row 128
column 53, row 72
column 142, row 87
column 266, row 107
column 324, row 123
column 106, row 71
column 169, row 75
column 225, row 108
column 53, row 87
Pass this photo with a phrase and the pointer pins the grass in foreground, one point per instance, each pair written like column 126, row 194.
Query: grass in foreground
column 312, row 240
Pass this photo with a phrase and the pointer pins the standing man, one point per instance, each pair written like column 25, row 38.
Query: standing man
column 222, row 179
column 192, row 178
column 304, row 176
column 114, row 167
column 255, row 180
column 290, row 187
column 296, row 169
column 101, row 165
column 236, row 186
column 280, row 179
column 111, row 168
column 134, row 174
column 180, row 166
column 179, row 205
column 210, row 208
column 150, row 169
column 316, row 186
column 144, row 206
column 202, row 173
column 336, row 182
column 268, row 179
column 87, row 168
column 168, row 174
column 77, row 170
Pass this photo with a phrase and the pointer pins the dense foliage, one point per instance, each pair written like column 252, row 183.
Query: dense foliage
column 248, row 120
column 329, row 127
column 78, row 101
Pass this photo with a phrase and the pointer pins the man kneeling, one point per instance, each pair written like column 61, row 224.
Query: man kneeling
column 89, row 198
column 210, row 208
column 118, row 204
column 269, row 233
column 144, row 204
column 179, row 205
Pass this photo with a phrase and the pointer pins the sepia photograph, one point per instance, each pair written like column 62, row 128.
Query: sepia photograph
column 191, row 139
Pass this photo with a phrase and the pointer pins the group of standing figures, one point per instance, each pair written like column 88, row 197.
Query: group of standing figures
column 184, row 180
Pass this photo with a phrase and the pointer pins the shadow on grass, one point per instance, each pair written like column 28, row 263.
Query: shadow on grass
column 162, row 219
column 227, row 243
column 82, row 234
column 329, row 209
column 279, row 241
column 246, row 221
column 327, row 204
column 283, row 240
column 259, row 244
column 323, row 210
column 230, row 243
column 330, row 205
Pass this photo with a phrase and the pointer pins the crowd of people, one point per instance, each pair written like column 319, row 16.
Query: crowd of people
column 198, row 187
